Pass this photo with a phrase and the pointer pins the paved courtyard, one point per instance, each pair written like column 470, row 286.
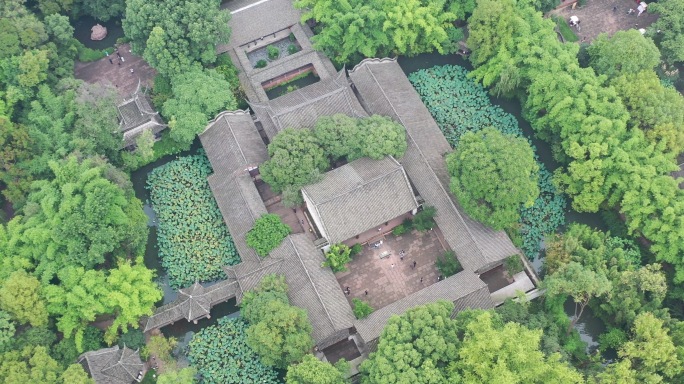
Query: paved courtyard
column 119, row 76
column 387, row 284
column 598, row 16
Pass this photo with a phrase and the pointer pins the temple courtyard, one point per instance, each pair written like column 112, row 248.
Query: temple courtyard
column 386, row 283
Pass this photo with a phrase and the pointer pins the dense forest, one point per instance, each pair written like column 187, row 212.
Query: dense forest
column 73, row 233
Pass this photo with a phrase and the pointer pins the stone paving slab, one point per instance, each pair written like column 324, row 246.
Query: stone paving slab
column 390, row 279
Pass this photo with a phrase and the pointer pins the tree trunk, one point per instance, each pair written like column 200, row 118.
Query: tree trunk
column 577, row 315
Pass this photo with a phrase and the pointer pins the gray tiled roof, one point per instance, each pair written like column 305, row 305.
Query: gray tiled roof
column 464, row 289
column 260, row 20
column 192, row 303
column 112, row 365
column 385, row 90
column 136, row 114
column 311, row 287
column 232, row 142
column 301, row 108
column 378, row 188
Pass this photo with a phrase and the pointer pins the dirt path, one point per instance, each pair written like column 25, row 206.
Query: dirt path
column 118, row 75
column 608, row 16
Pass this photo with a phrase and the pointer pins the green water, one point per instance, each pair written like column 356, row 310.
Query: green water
column 82, row 32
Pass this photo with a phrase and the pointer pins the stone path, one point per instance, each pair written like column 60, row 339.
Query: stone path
column 119, row 76
column 598, row 16
column 387, row 284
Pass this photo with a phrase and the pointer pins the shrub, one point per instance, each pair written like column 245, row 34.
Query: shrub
column 361, row 308
column 399, row 230
column 161, row 91
column 356, row 249
column 261, row 63
column 337, row 257
column 568, row 34
column 221, row 355
column 292, row 37
column 613, row 339
column 292, row 49
column 448, row 264
column 267, row 233
column 133, row 339
column 66, row 353
column 273, row 52
column 513, row 265
column 192, row 237
column 86, row 54
column 423, row 220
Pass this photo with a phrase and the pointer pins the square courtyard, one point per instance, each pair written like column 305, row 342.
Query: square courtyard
column 390, row 278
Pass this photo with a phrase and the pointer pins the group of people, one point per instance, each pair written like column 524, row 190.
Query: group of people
column 121, row 59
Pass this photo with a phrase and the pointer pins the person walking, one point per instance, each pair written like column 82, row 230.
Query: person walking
column 366, row 292
column 392, row 267
column 110, row 61
column 421, row 280
column 132, row 70
column 414, row 264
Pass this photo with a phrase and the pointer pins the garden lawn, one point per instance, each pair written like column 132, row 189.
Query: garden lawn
column 221, row 355
column 193, row 240
column 460, row 105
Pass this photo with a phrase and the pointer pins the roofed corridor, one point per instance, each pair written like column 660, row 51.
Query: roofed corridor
column 387, row 284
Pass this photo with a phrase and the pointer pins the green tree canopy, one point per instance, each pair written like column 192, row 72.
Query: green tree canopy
column 20, row 296
column 489, row 185
column 337, row 257
column 103, row 9
column 278, row 332
column 172, row 34
column 492, row 352
column 355, row 29
column 78, row 218
column 414, row 347
column 651, row 351
column 339, row 136
column 579, row 282
column 670, row 27
column 29, row 366
column 198, row 95
column 182, row 376
column 625, row 52
column 7, row 330
column 653, row 108
column 379, row 136
column 296, row 160
column 267, row 234
column 313, row 371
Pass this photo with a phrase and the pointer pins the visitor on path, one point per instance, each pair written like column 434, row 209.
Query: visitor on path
column 414, row 264
column 347, row 291
column 392, row 267
column 421, row 280
column 122, row 59
column 132, row 70
column 366, row 292
column 110, row 61
column 401, row 256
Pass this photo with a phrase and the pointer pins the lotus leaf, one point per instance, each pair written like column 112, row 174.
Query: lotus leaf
column 193, row 239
